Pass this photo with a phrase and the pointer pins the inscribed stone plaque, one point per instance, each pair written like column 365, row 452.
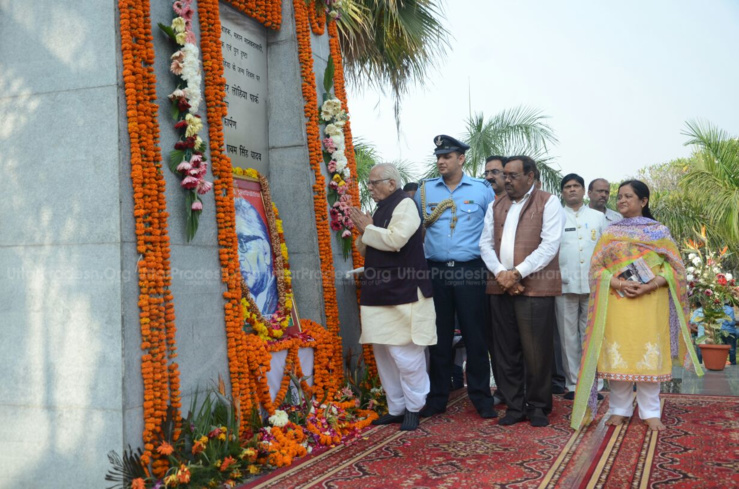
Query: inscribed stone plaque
column 244, row 46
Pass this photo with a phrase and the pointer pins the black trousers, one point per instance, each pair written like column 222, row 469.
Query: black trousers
column 523, row 329
column 459, row 290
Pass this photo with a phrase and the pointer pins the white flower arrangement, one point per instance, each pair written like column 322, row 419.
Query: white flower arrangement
column 279, row 419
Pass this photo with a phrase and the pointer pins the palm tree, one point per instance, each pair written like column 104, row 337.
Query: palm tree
column 367, row 156
column 391, row 43
column 516, row 131
column 713, row 178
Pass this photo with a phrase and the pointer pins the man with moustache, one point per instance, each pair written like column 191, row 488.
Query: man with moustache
column 519, row 244
column 582, row 229
column 453, row 209
column 494, row 173
column 598, row 192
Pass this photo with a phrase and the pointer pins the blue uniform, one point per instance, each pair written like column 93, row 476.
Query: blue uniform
column 458, row 279
column 472, row 197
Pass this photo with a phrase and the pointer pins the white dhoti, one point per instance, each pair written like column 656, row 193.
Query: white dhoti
column 399, row 336
column 402, row 371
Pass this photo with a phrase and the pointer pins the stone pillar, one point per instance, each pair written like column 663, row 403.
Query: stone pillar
column 60, row 243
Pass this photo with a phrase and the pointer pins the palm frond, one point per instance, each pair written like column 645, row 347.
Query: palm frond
column 388, row 43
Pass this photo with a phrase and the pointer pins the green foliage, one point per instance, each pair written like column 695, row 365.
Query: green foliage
column 516, row 131
column 125, row 469
column 390, row 43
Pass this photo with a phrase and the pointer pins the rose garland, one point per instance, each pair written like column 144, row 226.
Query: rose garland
column 157, row 319
column 340, row 91
column 187, row 159
column 334, row 118
column 273, row 328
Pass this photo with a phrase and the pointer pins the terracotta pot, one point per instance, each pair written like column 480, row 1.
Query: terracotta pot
column 714, row 356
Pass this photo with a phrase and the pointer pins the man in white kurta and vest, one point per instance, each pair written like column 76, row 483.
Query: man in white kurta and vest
column 582, row 229
column 519, row 245
column 397, row 311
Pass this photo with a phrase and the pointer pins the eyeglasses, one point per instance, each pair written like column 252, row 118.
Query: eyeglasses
column 512, row 175
column 494, row 173
column 375, row 182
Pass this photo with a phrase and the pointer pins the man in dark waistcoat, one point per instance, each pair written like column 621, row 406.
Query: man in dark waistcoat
column 519, row 244
column 397, row 311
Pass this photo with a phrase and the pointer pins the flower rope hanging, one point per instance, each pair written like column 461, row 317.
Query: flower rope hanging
column 157, row 320
column 187, row 160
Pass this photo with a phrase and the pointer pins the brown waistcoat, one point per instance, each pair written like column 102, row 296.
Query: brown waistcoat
column 547, row 281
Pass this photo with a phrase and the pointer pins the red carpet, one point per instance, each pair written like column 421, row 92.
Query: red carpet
column 460, row 450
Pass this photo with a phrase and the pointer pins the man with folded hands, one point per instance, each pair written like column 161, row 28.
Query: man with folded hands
column 398, row 316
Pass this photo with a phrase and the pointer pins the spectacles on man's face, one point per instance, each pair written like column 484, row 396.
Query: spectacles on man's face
column 494, row 173
column 375, row 182
column 512, row 176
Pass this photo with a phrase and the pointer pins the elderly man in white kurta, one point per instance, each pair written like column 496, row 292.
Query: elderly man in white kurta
column 398, row 316
column 582, row 230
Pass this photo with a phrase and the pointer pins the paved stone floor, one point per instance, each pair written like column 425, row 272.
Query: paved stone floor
column 718, row 383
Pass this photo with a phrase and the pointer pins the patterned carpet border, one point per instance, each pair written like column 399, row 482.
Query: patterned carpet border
column 458, row 449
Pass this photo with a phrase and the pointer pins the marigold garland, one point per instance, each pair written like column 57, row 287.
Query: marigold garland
column 340, row 92
column 267, row 12
column 310, row 97
column 239, row 347
column 157, row 319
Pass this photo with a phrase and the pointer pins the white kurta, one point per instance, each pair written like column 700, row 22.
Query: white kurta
column 401, row 324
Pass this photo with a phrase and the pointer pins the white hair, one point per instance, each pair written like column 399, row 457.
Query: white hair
column 389, row 171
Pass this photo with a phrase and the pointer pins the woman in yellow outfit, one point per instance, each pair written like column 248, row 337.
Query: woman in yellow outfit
column 634, row 328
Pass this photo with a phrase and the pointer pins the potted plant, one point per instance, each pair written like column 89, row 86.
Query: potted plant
column 714, row 291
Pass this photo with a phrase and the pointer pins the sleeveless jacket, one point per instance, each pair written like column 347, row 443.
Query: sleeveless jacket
column 547, row 281
column 392, row 278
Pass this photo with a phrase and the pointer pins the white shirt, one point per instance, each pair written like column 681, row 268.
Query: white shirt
column 582, row 230
column 613, row 216
column 551, row 234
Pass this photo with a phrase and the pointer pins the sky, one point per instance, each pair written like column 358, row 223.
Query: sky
column 618, row 80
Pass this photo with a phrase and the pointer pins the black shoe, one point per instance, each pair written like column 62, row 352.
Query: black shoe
column 600, row 396
column 498, row 399
column 488, row 413
column 410, row 422
column 429, row 411
column 570, row 396
column 558, row 389
column 388, row 419
column 510, row 419
column 539, row 421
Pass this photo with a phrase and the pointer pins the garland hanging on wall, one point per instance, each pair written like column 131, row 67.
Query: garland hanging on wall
column 187, row 160
column 340, row 91
column 310, row 98
column 267, row 12
column 157, row 319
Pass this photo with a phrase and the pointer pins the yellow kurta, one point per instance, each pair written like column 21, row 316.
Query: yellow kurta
column 403, row 324
column 636, row 341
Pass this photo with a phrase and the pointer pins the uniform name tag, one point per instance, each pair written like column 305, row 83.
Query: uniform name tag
column 570, row 229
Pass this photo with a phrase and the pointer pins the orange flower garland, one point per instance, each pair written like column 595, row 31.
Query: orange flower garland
column 310, row 97
column 340, row 92
column 160, row 375
column 239, row 348
column 317, row 16
column 268, row 12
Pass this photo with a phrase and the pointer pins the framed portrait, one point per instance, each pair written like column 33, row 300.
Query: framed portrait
column 261, row 263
